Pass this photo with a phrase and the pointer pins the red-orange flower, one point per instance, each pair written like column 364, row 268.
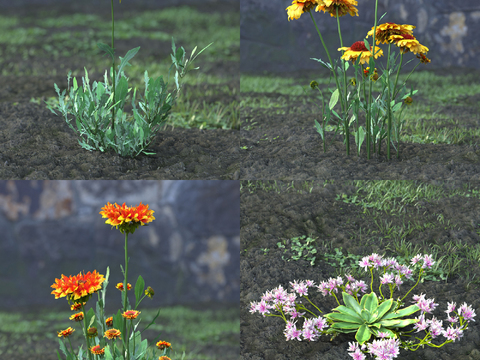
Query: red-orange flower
column 131, row 314
column 127, row 218
column 344, row 7
column 112, row 334
column 78, row 306
column 164, row 358
column 423, row 58
column 78, row 288
column 408, row 43
column 359, row 49
column 77, row 316
column 66, row 332
column 120, row 286
column 163, row 344
column 97, row 350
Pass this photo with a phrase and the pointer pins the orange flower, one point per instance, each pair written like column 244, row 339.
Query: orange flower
column 120, row 286
column 408, row 43
column 299, row 7
column 112, row 334
column 163, row 344
column 344, row 7
column 78, row 288
column 423, row 59
column 164, row 358
column 358, row 49
column 131, row 314
column 408, row 100
column 109, row 321
column 97, row 350
column 384, row 31
column 77, row 316
column 66, row 332
column 127, row 219
column 76, row 307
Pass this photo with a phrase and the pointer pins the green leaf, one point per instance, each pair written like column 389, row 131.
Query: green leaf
column 401, row 313
column 333, row 99
column 121, row 90
column 100, row 91
column 153, row 321
column 139, row 289
column 383, row 308
column 124, row 61
column 345, row 325
column 107, row 49
column 369, row 302
column 348, row 311
column 367, row 44
column 367, row 316
column 344, row 318
column 363, row 334
column 350, row 302
column 397, row 323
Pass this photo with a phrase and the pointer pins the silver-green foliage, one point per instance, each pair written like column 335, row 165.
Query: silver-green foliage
column 92, row 106
column 369, row 317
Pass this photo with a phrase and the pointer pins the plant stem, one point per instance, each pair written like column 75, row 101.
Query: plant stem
column 370, row 85
column 125, row 297
column 113, row 67
column 389, row 129
column 86, row 332
column 345, row 110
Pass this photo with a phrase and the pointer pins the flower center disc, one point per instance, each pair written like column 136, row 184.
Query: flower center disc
column 358, row 46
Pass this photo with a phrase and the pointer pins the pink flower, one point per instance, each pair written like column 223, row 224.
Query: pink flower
column 291, row 331
column 467, row 312
column 453, row 334
column 425, row 305
column 386, row 279
column 364, row 263
column 428, row 261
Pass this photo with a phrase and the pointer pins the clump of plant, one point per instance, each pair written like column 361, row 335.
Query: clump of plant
column 383, row 113
column 378, row 323
column 300, row 249
column 99, row 108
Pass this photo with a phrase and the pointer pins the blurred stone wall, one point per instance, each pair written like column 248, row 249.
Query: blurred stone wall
column 269, row 42
column 189, row 254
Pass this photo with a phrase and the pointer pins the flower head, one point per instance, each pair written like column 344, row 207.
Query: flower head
column 344, row 7
column 109, row 321
column 65, row 333
column 423, row 58
column 112, row 334
column 92, row 332
column 408, row 43
column 149, row 292
column 127, row 218
column 131, row 314
column 163, row 344
column 77, row 316
column 299, row 7
column 358, row 49
column 97, row 350
column 164, row 358
column 384, row 31
column 78, row 288
column 120, row 286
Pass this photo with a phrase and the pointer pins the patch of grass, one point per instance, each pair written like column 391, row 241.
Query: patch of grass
column 301, row 247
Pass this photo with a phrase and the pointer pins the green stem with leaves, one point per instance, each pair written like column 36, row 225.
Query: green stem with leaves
column 113, row 68
column 86, row 332
column 369, row 104
column 344, row 100
column 126, row 337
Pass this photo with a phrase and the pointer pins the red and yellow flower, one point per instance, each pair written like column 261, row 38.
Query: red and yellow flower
column 408, row 43
column 358, row 49
column 78, row 288
column 109, row 321
column 423, row 58
column 130, row 314
column 97, row 350
column 65, row 333
column 163, row 344
column 77, row 316
column 127, row 218
column 164, row 358
column 112, row 334
column 120, row 286
column 344, row 7
column 384, row 31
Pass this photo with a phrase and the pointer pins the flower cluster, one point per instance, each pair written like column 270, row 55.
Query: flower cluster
column 127, row 218
column 333, row 7
column 291, row 308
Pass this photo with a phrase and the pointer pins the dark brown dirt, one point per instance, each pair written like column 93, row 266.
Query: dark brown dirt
column 287, row 146
column 36, row 144
column 271, row 217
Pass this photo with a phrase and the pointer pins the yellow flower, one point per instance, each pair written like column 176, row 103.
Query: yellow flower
column 358, row 49
column 344, row 7
column 149, row 292
column 299, row 7
column 164, row 358
column 408, row 43
column 120, row 286
column 163, row 344
column 97, row 350
column 112, row 334
column 77, row 316
column 66, row 332
column 384, row 31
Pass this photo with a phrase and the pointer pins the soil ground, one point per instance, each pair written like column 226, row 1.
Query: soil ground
column 280, row 141
column 330, row 213
column 36, row 144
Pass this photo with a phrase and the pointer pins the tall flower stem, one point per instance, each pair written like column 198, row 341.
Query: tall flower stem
column 113, row 67
column 369, row 104
column 345, row 107
column 86, row 332
column 126, row 337
column 389, row 106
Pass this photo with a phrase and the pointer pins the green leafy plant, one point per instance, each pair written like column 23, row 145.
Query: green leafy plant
column 369, row 317
column 306, row 250
column 101, row 121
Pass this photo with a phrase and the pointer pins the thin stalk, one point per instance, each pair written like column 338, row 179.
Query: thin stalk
column 370, row 85
column 86, row 332
column 389, row 129
column 125, row 297
column 344, row 110
column 113, row 67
